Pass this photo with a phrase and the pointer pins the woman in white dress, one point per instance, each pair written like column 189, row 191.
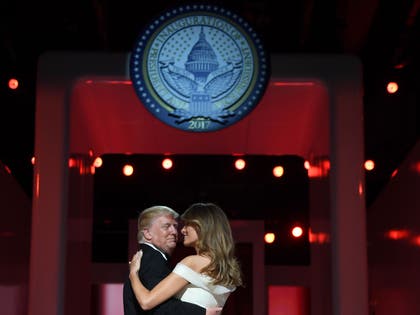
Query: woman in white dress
column 206, row 278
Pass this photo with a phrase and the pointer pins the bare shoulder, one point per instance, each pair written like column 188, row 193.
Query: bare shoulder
column 196, row 262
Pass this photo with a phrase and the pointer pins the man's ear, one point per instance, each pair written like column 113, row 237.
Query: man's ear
column 146, row 234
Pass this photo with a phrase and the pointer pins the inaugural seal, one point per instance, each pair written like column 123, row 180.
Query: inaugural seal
column 199, row 68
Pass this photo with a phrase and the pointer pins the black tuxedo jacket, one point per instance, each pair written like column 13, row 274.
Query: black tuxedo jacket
column 152, row 270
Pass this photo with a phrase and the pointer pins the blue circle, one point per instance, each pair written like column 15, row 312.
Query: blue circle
column 199, row 68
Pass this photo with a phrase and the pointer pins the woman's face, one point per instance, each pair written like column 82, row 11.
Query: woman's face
column 190, row 236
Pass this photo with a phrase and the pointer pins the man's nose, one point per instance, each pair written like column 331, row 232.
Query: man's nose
column 173, row 229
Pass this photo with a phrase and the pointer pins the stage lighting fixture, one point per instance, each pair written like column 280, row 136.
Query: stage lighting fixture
column 392, row 87
column 251, row 194
column 13, row 84
column 297, row 231
column 369, row 165
column 128, row 170
column 240, row 164
column 278, row 171
column 269, row 238
column 167, row 163
column 97, row 162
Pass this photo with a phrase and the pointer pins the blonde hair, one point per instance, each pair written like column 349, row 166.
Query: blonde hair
column 148, row 216
column 215, row 240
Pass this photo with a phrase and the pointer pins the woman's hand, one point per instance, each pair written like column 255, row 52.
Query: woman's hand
column 135, row 262
column 214, row 311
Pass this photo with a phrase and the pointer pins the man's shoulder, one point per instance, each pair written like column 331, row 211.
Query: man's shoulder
column 153, row 260
column 150, row 251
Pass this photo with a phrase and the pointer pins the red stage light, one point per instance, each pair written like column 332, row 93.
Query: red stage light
column 13, row 84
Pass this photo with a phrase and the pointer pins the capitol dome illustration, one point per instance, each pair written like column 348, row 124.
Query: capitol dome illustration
column 199, row 68
column 202, row 59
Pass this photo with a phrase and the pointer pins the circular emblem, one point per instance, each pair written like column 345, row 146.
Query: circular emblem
column 199, row 68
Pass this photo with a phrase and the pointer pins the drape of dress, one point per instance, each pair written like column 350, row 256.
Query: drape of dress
column 200, row 289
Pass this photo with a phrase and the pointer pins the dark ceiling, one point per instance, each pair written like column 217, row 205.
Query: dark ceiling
column 383, row 34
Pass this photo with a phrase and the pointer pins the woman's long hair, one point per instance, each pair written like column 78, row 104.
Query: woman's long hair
column 215, row 240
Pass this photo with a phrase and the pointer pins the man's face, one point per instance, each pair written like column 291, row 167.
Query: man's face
column 163, row 233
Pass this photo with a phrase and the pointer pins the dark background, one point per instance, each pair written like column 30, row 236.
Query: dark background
column 384, row 34
column 251, row 194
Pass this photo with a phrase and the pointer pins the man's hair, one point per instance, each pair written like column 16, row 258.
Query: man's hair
column 148, row 216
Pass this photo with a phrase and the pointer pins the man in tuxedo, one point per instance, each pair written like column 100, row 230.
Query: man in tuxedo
column 158, row 237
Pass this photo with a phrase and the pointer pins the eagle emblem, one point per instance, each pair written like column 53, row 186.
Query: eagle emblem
column 193, row 68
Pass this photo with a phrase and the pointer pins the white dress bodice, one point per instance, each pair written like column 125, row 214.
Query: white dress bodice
column 200, row 290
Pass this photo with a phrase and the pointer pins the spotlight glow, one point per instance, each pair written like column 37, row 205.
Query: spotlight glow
column 167, row 163
column 13, row 84
column 369, row 165
column 97, row 162
column 128, row 170
column 278, row 171
column 392, row 87
column 297, row 231
column 240, row 164
column 72, row 162
column 397, row 234
column 269, row 238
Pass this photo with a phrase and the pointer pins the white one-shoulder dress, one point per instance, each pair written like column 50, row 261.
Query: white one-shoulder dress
column 200, row 291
